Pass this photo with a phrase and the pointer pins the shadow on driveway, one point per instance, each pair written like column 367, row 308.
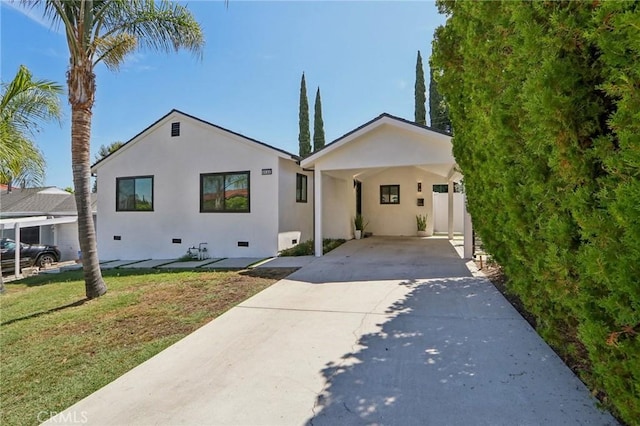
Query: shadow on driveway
column 454, row 352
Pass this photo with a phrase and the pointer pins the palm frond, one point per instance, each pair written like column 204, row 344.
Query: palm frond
column 162, row 25
column 113, row 49
column 27, row 103
column 21, row 161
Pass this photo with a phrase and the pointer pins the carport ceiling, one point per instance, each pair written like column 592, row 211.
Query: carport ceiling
column 365, row 173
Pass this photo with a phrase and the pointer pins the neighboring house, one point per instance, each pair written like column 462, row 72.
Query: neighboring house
column 44, row 216
column 183, row 182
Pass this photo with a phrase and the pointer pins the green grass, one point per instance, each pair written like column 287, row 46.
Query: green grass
column 57, row 347
column 306, row 248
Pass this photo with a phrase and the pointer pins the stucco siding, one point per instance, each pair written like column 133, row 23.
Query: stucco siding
column 66, row 238
column 294, row 216
column 176, row 164
column 338, row 207
column 379, row 148
column 398, row 219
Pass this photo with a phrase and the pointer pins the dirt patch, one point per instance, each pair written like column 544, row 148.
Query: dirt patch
column 269, row 273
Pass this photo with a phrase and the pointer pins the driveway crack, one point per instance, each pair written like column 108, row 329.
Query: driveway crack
column 339, row 367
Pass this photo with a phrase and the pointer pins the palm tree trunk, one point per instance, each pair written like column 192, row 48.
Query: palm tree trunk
column 81, row 94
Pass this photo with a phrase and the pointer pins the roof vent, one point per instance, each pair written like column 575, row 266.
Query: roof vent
column 175, row 129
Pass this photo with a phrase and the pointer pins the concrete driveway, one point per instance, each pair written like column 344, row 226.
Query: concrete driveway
column 391, row 331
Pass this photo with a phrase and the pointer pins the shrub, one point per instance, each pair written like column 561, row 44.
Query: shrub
column 306, row 248
column 545, row 112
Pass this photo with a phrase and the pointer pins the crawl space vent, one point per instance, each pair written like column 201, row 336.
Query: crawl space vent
column 175, row 129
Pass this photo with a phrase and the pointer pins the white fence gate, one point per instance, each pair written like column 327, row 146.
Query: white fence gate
column 440, row 212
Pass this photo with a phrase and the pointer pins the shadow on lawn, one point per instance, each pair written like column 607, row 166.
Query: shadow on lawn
column 48, row 311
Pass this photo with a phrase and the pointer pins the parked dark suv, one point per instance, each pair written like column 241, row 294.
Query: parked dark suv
column 30, row 254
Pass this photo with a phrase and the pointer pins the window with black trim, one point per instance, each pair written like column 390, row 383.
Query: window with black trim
column 134, row 194
column 443, row 188
column 224, row 192
column 301, row 188
column 389, row 194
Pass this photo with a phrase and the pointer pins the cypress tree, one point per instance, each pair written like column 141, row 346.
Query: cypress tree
column 304, row 137
column 420, row 93
column 318, row 124
column 438, row 109
column 547, row 134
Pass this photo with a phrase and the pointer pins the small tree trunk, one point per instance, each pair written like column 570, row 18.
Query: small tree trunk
column 81, row 92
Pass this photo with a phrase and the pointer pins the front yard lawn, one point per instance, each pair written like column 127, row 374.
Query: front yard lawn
column 56, row 347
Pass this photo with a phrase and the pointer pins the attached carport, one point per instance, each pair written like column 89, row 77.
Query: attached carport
column 383, row 170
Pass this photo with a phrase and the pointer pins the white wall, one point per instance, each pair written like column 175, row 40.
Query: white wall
column 338, row 207
column 293, row 216
column 441, row 212
column 380, row 148
column 398, row 219
column 47, row 234
column 67, row 240
column 176, row 164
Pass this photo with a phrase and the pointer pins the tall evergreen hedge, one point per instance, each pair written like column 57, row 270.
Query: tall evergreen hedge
column 304, row 136
column 420, row 111
column 318, row 124
column 545, row 100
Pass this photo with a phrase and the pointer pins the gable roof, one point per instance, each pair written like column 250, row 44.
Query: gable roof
column 384, row 118
column 176, row 111
column 40, row 201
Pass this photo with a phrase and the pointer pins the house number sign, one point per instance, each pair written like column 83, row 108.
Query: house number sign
column 267, row 171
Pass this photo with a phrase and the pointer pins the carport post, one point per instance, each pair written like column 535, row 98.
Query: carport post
column 317, row 213
column 468, row 232
column 17, row 271
column 450, row 209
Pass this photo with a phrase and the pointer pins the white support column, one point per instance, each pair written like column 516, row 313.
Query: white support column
column 317, row 214
column 17, row 272
column 468, row 232
column 450, row 209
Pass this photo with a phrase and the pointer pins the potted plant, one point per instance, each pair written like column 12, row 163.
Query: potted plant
column 421, row 222
column 359, row 223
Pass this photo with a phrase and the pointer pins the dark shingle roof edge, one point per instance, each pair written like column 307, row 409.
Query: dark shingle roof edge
column 293, row 156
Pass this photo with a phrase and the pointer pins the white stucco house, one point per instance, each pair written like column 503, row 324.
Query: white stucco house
column 184, row 182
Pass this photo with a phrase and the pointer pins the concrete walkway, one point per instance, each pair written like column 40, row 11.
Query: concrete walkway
column 381, row 331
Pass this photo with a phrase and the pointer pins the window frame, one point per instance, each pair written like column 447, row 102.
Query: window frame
column 388, row 192
column 300, row 197
column 224, row 174
column 134, row 178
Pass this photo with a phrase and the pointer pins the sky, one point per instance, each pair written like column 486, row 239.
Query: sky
column 361, row 54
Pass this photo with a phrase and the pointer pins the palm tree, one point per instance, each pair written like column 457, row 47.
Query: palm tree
column 25, row 104
column 107, row 31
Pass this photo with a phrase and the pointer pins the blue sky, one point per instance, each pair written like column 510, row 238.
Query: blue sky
column 361, row 54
